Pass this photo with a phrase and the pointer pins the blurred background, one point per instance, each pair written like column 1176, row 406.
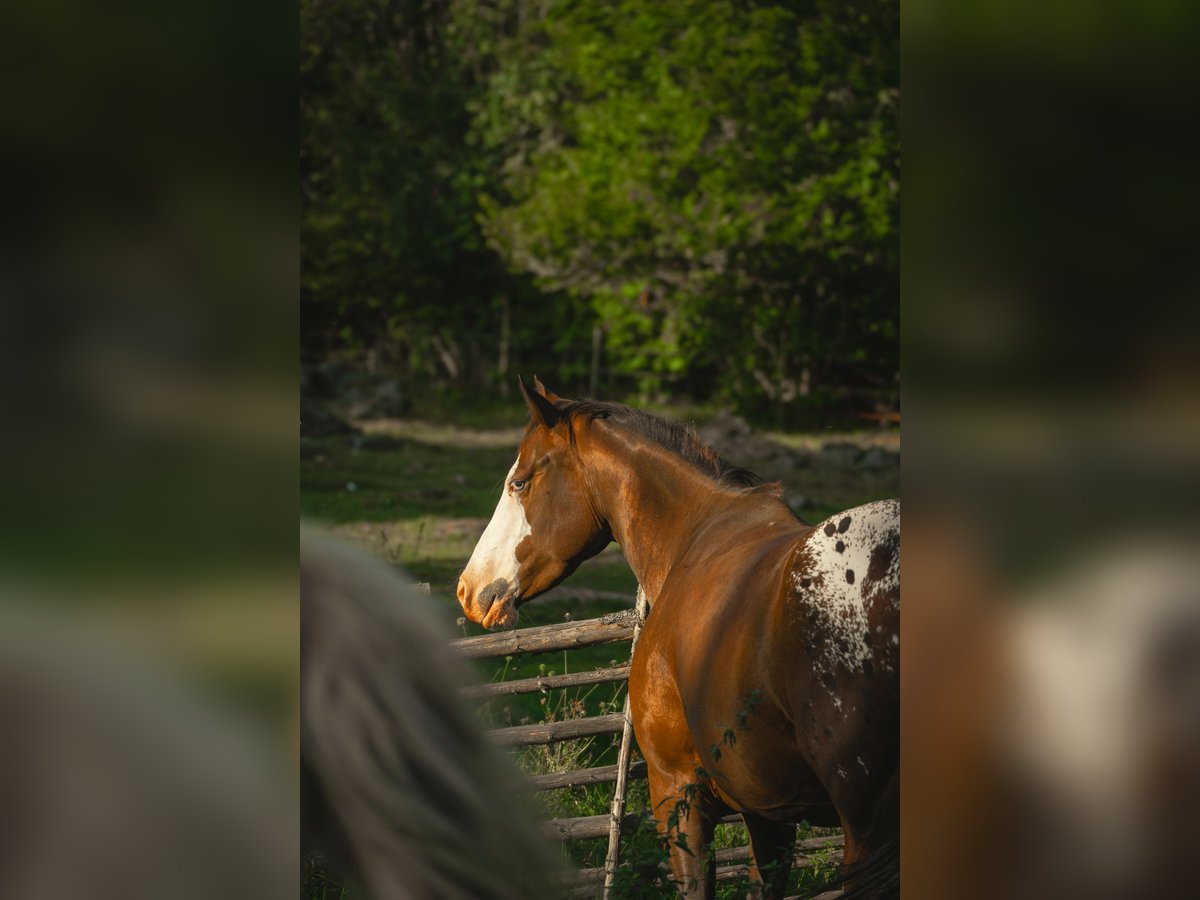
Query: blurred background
column 149, row 659
column 685, row 202
column 1051, row 682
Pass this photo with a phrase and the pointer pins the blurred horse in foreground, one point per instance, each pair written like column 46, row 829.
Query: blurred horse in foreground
column 122, row 777
column 399, row 786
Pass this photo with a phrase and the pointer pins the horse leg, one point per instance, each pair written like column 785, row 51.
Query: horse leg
column 852, row 855
column 871, row 859
column 688, row 838
column 771, row 846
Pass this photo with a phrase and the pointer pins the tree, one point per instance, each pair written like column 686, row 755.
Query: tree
column 719, row 181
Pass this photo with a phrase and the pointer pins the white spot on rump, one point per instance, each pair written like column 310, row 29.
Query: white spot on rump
column 832, row 578
column 495, row 555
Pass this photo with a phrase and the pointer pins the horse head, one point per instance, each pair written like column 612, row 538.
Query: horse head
column 544, row 525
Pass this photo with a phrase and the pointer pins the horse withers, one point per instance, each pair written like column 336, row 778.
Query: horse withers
column 766, row 680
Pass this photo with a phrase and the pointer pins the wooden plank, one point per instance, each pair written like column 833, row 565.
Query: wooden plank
column 546, row 638
column 799, row 861
column 585, row 827
column 813, row 843
column 820, row 843
column 551, row 732
column 545, row 683
column 598, row 775
column 733, row 854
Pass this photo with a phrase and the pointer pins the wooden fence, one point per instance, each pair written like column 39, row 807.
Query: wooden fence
column 613, row 628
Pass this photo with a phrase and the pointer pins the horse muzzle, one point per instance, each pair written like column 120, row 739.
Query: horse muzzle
column 493, row 606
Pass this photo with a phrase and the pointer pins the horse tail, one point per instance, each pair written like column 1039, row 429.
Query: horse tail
column 876, row 874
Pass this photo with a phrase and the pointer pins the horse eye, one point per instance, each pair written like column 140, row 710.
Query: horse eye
column 517, row 484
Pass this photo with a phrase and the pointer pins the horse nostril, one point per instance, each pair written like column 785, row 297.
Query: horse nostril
column 493, row 592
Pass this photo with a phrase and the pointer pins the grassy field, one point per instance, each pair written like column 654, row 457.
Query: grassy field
column 419, row 494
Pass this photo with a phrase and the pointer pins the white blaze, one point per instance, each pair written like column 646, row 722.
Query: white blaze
column 495, row 555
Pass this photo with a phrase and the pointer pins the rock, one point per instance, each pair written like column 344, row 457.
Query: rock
column 317, row 420
column 327, row 380
column 795, row 459
column 840, row 454
column 380, row 400
column 734, row 439
column 879, row 458
column 724, row 426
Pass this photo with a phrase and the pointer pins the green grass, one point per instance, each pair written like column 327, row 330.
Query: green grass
column 420, row 500
column 320, row 882
column 339, row 483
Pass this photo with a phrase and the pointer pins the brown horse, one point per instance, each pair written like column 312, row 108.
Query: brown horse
column 766, row 678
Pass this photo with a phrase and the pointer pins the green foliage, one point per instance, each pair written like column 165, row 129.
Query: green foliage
column 716, row 185
column 393, row 259
column 720, row 181
column 643, row 872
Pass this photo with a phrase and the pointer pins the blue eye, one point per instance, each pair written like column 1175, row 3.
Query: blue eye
column 517, row 484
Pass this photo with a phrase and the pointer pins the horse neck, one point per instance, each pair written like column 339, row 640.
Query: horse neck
column 653, row 502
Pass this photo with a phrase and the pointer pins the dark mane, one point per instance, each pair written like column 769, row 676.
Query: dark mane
column 680, row 440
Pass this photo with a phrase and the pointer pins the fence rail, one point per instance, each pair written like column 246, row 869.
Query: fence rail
column 545, row 683
column 733, row 862
column 584, row 827
column 548, row 638
column 598, row 775
column 552, row 732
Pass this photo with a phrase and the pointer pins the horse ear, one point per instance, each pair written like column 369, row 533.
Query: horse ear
column 545, row 391
column 542, row 410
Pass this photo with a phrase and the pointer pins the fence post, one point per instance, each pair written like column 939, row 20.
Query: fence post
column 618, row 804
